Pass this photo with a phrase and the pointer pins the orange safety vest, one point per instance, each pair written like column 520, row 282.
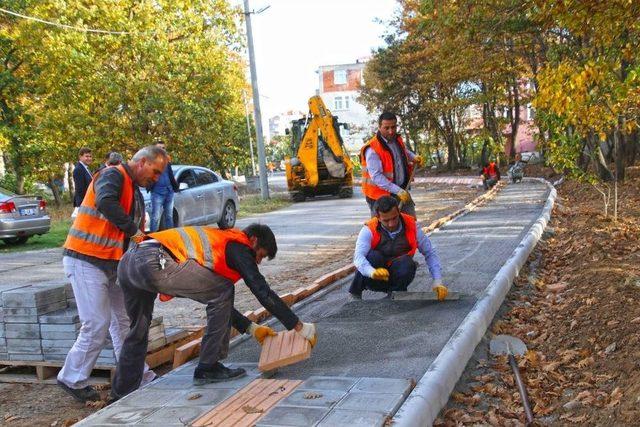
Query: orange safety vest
column 410, row 228
column 369, row 189
column 490, row 171
column 92, row 233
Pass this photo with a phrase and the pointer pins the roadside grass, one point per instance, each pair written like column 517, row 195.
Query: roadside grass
column 61, row 221
column 252, row 204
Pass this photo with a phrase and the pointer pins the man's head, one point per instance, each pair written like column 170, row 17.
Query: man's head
column 387, row 212
column 113, row 159
column 388, row 125
column 160, row 143
column 85, row 156
column 263, row 241
column 148, row 164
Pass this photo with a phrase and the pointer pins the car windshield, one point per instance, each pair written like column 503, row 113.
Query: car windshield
column 5, row 194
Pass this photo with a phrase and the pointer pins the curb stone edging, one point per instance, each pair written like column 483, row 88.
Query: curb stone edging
column 432, row 391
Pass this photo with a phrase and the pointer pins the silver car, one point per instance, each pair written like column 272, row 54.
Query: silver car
column 204, row 198
column 22, row 217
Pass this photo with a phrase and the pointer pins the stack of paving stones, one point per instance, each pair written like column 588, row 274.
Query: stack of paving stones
column 157, row 337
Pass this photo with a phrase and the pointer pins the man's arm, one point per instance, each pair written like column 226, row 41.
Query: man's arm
column 430, row 256
column 239, row 321
column 363, row 246
column 242, row 259
column 374, row 167
column 108, row 188
column 172, row 178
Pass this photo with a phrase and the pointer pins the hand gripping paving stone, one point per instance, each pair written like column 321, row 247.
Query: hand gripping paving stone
column 283, row 349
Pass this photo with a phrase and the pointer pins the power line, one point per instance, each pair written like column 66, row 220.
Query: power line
column 65, row 26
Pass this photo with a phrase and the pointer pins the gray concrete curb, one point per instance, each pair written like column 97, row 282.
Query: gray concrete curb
column 432, row 391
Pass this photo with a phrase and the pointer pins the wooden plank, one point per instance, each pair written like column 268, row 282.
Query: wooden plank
column 46, row 372
column 288, row 299
column 284, row 349
column 423, row 296
column 33, row 379
column 186, row 352
column 249, row 404
column 166, row 354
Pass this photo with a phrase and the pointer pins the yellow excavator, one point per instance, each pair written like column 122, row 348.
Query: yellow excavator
column 320, row 164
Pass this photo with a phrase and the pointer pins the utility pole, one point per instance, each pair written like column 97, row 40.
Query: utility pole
column 246, row 115
column 262, row 164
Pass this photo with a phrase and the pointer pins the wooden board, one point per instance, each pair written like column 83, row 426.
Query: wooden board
column 186, row 352
column 283, row 349
column 423, row 296
column 41, row 371
column 249, row 404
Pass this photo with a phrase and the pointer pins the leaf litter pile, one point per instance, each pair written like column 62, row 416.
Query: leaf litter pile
column 577, row 311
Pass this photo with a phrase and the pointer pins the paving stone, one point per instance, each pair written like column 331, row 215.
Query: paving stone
column 2, row 331
column 55, row 357
column 175, row 416
column 306, row 398
column 46, row 343
column 145, row 398
column 106, row 361
column 27, row 357
column 107, row 352
column 385, row 403
column 209, row 398
column 59, row 335
column 328, row 383
column 65, row 316
column 292, row 416
column 383, row 385
column 71, row 302
column 117, row 415
column 60, row 327
column 155, row 321
column 22, row 330
column 351, row 418
column 30, row 314
column 16, row 345
column 34, row 296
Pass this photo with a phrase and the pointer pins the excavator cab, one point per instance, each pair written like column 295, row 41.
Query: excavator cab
column 320, row 164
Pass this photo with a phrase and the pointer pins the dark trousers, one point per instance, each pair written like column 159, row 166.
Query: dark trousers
column 402, row 270
column 142, row 278
column 488, row 183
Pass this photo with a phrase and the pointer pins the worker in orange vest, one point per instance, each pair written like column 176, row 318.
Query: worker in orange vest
column 111, row 213
column 384, row 252
column 387, row 165
column 200, row 263
column 490, row 175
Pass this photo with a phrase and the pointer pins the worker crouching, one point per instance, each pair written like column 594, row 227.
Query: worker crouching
column 384, row 252
column 200, row 263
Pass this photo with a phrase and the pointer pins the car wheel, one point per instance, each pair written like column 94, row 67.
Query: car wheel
column 345, row 193
column 228, row 218
column 298, row 197
column 15, row 240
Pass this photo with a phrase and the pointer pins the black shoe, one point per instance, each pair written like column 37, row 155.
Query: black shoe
column 355, row 297
column 217, row 374
column 83, row 395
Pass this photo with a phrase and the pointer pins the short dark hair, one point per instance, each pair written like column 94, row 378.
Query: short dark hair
column 114, row 158
column 266, row 238
column 387, row 115
column 84, row 150
column 385, row 203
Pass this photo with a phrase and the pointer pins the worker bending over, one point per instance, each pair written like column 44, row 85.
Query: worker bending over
column 387, row 165
column 200, row 263
column 490, row 175
column 384, row 252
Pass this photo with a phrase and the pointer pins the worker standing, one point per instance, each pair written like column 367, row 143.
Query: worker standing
column 387, row 165
column 384, row 252
column 200, row 263
column 111, row 213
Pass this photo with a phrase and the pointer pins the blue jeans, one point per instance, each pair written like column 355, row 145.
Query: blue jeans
column 161, row 202
column 402, row 271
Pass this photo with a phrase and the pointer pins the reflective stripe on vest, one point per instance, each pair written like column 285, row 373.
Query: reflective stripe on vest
column 369, row 189
column 92, row 233
column 205, row 245
column 410, row 232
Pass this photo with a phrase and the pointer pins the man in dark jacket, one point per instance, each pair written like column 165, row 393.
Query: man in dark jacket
column 82, row 175
column 162, row 194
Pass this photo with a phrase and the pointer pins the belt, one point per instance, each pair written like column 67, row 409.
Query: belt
column 151, row 243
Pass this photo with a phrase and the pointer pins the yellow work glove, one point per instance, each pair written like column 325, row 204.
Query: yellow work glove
column 404, row 196
column 441, row 291
column 418, row 161
column 308, row 331
column 260, row 332
column 138, row 237
column 380, row 274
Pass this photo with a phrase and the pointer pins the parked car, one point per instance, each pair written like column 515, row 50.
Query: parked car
column 22, row 217
column 204, row 198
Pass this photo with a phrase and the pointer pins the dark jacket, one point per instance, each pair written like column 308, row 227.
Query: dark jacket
column 81, row 181
column 166, row 183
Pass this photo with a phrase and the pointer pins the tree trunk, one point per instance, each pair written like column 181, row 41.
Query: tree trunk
column 618, row 151
column 601, row 165
column 70, row 180
column 56, row 193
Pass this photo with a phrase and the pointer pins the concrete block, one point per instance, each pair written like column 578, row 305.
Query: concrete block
column 71, row 302
column 156, row 344
column 209, row 398
column 60, row 327
column 27, row 357
column 2, row 330
column 314, row 399
column 156, row 321
column 23, row 346
column 151, row 398
column 68, row 290
column 383, row 385
column 328, row 383
column 350, row 418
column 107, row 352
column 46, row 343
column 175, row 416
column 106, row 361
column 34, row 295
column 174, row 334
column 57, row 357
column 22, row 330
column 292, row 416
column 59, row 335
column 387, row 404
column 64, row 316
column 116, row 414
column 30, row 314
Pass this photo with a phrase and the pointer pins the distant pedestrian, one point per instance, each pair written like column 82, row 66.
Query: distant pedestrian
column 113, row 158
column 162, row 196
column 81, row 177
column 111, row 213
column 490, row 175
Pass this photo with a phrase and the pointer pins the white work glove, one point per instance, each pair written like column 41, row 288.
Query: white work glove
column 260, row 332
column 308, row 331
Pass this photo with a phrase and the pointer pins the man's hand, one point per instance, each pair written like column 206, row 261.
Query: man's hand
column 308, row 331
column 380, row 274
column 418, row 161
column 138, row 237
column 404, row 196
column 441, row 291
column 260, row 332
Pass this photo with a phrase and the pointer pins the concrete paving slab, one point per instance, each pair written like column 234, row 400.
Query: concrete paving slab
column 65, row 316
column 292, row 416
column 34, row 295
column 388, row 404
column 383, row 385
column 22, row 330
column 209, row 397
column 313, row 398
column 118, row 415
column 351, row 418
column 145, row 398
column 328, row 383
column 175, row 416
